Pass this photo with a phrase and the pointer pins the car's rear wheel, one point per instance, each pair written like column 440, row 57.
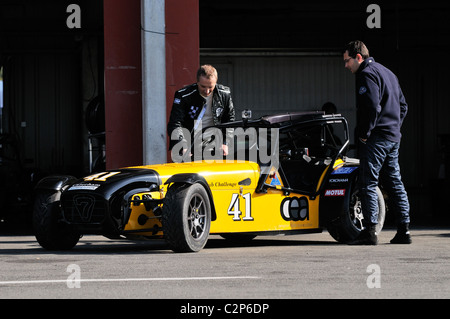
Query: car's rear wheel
column 186, row 217
column 49, row 232
column 350, row 223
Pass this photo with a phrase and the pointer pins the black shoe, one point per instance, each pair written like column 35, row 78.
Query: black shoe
column 367, row 236
column 402, row 236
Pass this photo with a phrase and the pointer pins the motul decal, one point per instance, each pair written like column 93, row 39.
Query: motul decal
column 335, row 192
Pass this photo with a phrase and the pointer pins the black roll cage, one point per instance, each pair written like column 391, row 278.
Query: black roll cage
column 287, row 121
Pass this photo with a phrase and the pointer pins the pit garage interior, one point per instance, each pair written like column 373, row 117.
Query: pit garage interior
column 73, row 96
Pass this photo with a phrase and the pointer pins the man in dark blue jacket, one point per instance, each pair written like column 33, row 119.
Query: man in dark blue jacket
column 381, row 108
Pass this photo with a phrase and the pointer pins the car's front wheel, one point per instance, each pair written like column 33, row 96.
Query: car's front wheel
column 350, row 223
column 186, row 217
column 49, row 232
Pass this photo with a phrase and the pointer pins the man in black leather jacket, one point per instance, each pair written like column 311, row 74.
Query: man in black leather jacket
column 204, row 102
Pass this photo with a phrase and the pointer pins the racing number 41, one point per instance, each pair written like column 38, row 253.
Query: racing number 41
column 101, row 177
column 233, row 209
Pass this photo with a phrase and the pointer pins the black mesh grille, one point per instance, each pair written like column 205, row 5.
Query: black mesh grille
column 84, row 208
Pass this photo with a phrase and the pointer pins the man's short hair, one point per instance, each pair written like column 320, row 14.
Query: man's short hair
column 207, row 71
column 355, row 47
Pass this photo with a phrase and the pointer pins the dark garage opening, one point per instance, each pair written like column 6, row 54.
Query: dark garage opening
column 51, row 72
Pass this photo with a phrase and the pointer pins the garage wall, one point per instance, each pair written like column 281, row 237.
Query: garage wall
column 47, row 85
column 278, row 84
column 42, row 110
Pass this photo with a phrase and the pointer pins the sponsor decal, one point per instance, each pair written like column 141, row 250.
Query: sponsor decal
column 84, row 187
column 338, row 180
column 222, row 184
column 362, row 90
column 294, row 208
column 193, row 111
column 275, row 181
column 335, row 192
column 177, row 101
column 344, row 170
column 219, row 111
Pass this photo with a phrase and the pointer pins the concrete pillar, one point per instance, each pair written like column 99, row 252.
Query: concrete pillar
column 153, row 81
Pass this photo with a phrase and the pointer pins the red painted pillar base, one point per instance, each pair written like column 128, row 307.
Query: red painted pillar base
column 123, row 75
column 123, row 83
column 182, row 47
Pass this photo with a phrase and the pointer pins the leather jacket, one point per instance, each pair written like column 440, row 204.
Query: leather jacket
column 188, row 104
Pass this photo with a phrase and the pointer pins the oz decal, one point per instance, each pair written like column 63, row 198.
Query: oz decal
column 294, row 208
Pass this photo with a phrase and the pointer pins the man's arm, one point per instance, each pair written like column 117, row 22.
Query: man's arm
column 368, row 102
column 403, row 105
column 175, row 125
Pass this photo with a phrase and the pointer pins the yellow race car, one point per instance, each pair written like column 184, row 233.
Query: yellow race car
column 284, row 174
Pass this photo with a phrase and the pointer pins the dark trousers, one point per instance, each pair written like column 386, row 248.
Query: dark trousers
column 379, row 163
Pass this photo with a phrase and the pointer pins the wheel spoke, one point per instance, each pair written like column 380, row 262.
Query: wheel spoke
column 194, row 232
column 196, row 217
column 197, row 206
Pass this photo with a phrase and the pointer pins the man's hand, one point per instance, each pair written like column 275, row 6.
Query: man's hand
column 225, row 149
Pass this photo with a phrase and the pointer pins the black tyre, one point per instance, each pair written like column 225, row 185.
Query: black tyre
column 49, row 233
column 186, row 217
column 347, row 226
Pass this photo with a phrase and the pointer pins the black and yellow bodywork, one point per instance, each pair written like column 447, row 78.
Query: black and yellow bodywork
column 312, row 186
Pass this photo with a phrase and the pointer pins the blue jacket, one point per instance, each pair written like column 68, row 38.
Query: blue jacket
column 381, row 106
